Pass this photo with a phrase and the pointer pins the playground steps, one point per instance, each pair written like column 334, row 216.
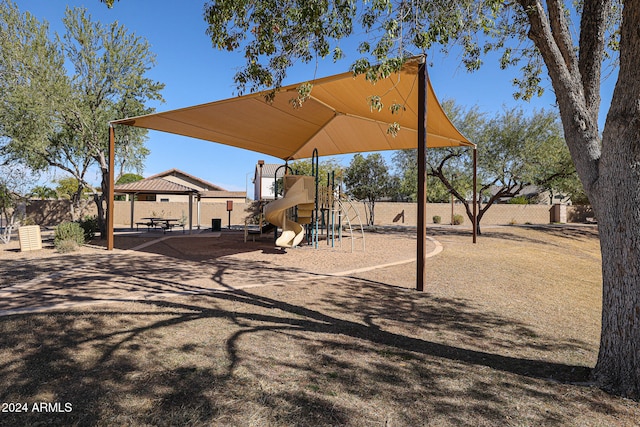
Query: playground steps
column 305, row 213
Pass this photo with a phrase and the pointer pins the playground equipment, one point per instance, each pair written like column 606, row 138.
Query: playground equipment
column 339, row 216
column 325, row 210
column 298, row 193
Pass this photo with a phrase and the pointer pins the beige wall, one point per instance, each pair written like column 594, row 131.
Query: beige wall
column 53, row 212
column 50, row 213
column 387, row 213
column 122, row 216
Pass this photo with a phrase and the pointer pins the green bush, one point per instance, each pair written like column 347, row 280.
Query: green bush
column 437, row 219
column 458, row 219
column 68, row 236
column 519, row 200
column 89, row 225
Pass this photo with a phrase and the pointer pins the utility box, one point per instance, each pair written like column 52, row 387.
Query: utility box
column 216, row 224
column 558, row 213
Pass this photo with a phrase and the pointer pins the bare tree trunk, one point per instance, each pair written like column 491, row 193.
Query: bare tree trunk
column 608, row 168
column 617, row 207
column 372, row 206
column 618, row 366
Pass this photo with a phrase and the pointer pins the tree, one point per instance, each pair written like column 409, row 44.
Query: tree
column 42, row 192
column 14, row 181
column 128, row 178
column 108, row 82
column 538, row 36
column 406, row 173
column 325, row 169
column 368, row 179
column 516, row 151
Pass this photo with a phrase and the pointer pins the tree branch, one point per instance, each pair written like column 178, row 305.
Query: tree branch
column 580, row 125
column 592, row 43
column 561, row 34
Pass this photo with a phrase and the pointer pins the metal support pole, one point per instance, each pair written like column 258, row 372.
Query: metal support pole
column 190, row 213
column 475, row 189
column 315, row 167
column 110, row 195
column 132, row 202
column 422, row 175
column 198, row 199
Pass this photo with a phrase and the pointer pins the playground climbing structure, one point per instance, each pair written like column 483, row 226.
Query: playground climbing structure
column 317, row 212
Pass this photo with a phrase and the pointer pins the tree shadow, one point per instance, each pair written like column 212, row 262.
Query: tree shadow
column 202, row 346
column 565, row 231
column 356, row 339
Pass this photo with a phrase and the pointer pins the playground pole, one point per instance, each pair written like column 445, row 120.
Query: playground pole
column 422, row 175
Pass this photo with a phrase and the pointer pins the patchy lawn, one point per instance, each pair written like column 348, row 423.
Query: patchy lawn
column 505, row 334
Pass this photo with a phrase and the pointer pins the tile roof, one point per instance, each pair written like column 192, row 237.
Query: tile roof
column 178, row 172
column 153, row 185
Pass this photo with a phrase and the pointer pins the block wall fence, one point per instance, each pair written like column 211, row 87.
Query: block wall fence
column 53, row 212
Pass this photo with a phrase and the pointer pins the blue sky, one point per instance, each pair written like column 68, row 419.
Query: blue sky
column 194, row 73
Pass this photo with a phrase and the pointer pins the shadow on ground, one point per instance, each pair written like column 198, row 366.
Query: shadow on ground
column 324, row 351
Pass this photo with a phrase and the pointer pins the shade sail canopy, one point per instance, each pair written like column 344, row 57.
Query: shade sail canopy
column 336, row 118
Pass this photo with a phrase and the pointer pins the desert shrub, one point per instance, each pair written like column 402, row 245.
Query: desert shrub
column 437, row 219
column 68, row 236
column 89, row 225
column 64, row 246
column 458, row 219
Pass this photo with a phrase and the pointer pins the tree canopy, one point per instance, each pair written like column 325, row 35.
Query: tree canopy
column 516, row 150
column 52, row 119
column 367, row 178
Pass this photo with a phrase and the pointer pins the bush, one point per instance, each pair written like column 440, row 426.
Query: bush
column 437, row 219
column 89, row 225
column 519, row 200
column 458, row 219
column 68, row 236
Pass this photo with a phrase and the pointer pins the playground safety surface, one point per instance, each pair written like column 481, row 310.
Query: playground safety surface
column 155, row 266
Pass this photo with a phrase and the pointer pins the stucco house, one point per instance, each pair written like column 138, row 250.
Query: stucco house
column 264, row 178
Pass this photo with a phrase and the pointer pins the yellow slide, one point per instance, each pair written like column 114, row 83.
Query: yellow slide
column 299, row 190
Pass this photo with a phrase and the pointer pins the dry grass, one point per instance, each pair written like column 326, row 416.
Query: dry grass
column 505, row 335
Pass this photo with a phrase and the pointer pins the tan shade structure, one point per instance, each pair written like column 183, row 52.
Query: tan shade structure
column 335, row 119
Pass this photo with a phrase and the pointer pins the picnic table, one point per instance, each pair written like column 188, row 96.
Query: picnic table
column 157, row 222
column 149, row 221
column 169, row 223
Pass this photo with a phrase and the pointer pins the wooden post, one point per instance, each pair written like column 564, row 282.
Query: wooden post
column 110, row 202
column 422, row 175
column 229, row 209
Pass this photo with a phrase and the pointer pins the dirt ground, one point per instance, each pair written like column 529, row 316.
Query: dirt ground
column 202, row 262
column 209, row 330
